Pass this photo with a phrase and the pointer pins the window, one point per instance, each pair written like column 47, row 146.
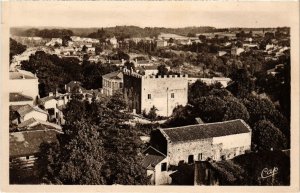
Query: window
column 191, row 159
column 121, row 84
column 149, row 96
column 27, row 157
column 172, row 95
column 164, row 166
column 200, row 157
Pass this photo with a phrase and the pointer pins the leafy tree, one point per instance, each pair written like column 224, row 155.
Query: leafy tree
column 181, row 116
column 15, row 48
column 162, row 70
column 235, row 110
column 243, row 83
column 266, row 136
column 97, row 146
column 210, row 108
column 152, row 113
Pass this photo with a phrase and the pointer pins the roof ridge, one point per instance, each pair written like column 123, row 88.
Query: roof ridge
column 213, row 123
column 155, row 150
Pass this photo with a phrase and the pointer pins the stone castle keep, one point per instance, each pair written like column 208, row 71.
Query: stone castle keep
column 164, row 92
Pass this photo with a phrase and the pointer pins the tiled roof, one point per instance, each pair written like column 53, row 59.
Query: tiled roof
column 152, row 158
column 204, row 131
column 20, row 74
column 36, row 124
column 47, row 98
column 15, row 97
column 114, row 75
column 24, row 109
column 28, row 142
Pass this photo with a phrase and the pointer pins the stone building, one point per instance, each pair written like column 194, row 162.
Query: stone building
column 112, row 82
column 142, row 92
column 201, row 142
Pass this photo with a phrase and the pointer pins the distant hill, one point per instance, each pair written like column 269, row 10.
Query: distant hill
column 122, row 31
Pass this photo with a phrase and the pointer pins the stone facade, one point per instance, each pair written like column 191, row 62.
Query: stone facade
column 112, row 83
column 201, row 142
column 163, row 92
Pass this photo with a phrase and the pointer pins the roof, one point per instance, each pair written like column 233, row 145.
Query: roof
column 15, row 97
column 28, row 142
column 21, row 74
column 204, row 131
column 74, row 83
column 38, row 125
column 152, row 158
column 47, row 98
column 114, row 75
column 24, row 109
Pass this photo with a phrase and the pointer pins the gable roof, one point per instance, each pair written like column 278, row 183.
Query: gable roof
column 114, row 75
column 36, row 124
column 24, row 109
column 21, row 74
column 204, row 131
column 15, row 97
column 47, row 98
column 28, row 142
column 152, row 158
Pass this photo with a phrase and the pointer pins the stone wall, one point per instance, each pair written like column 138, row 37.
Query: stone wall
column 179, row 152
column 165, row 93
column 132, row 92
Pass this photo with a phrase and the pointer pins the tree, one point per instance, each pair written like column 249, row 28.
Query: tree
column 129, row 65
column 84, row 49
column 162, row 70
column 265, row 136
column 235, row 110
column 181, row 116
column 97, row 147
column 210, row 108
column 152, row 113
column 15, row 48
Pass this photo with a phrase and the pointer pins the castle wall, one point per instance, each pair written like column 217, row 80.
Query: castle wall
column 165, row 93
column 132, row 92
column 179, row 152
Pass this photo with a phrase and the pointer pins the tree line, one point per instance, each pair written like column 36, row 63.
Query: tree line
column 54, row 72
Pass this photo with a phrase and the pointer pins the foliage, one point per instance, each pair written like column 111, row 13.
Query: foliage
column 151, row 114
column 46, row 33
column 97, row 146
column 266, row 136
column 54, row 72
column 15, row 48
column 162, row 70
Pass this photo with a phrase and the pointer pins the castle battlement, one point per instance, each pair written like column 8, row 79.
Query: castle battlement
column 134, row 74
column 166, row 76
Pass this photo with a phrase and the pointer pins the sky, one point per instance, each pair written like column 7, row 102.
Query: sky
column 150, row 14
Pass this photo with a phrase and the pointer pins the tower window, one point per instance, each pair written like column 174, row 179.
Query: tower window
column 191, row 159
column 164, row 166
column 172, row 95
column 149, row 96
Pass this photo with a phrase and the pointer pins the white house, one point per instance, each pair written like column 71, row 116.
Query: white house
column 23, row 82
column 26, row 112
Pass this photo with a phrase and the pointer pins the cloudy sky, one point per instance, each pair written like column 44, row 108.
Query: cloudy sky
column 155, row 13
